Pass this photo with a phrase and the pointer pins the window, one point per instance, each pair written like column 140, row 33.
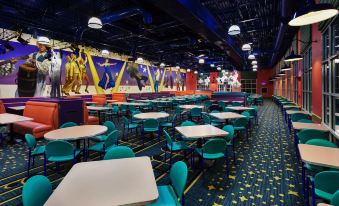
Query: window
column 330, row 73
column 307, row 80
column 295, row 83
column 249, row 86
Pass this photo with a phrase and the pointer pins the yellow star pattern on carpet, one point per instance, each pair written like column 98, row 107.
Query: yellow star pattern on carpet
column 221, row 197
column 290, row 192
column 242, row 198
column 211, row 187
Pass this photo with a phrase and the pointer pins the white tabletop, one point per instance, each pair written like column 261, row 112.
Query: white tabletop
column 111, row 100
column 130, row 103
column 18, row 108
column 201, row 131
column 191, row 106
column 321, row 156
column 151, row 115
column 97, row 108
column 289, row 112
column 240, row 108
column 7, row 118
column 91, row 102
column 291, row 106
column 76, row 132
column 226, row 115
column 128, row 181
column 323, row 204
column 301, row 125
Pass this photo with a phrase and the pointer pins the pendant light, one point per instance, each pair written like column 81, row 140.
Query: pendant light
column 188, row 70
column 313, row 13
column 281, row 74
column 251, row 57
column 254, row 62
column 254, row 70
column 195, row 72
column 104, row 52
column 212, row 65
column 140, row 60
column 293, row 57
column 234, row 30
column 201, row 61
column 162, row 65
column 255, row 66
column 286, row 68
column 246, row 47
column 94, row 23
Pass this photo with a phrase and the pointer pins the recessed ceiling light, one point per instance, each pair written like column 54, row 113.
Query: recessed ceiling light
column 195, row 72
column 94, row 23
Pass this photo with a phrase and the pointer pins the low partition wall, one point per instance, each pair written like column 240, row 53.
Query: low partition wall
column 149, row 95
column 230, row 96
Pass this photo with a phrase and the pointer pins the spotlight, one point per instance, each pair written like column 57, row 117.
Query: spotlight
column 246, row 47
column 212, row 65
column 254, row 62
column 251, row 57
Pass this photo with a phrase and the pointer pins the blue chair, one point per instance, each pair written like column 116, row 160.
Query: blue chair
column 59, row 151
column 33, row 150
column 68, row 124
column 213, row 149
column 119, row 152
column 169, row 194
column 174, row 146
column 150, row 126
column 36, row 191
column 110, row 142
column 110, row 128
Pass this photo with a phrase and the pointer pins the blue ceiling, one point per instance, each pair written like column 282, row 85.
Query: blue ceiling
column 171, row 31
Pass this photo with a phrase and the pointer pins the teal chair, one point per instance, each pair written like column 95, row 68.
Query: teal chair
column 169, row 194
column 207, row 120
column 119, row 152
column 174, row 146
column 335, row 199
column 221, row 104
column 240, row 125
column 123, row 109
column 111, row 141
column 59, row 151
column 230, row 138
column 36, row 191
column 292, row 109
column 305, row 121
column 134, row 120
column 297, row 116
column 213, row 149
column 236, row 104
column 326, row 184
column 112, row 112
column 195, row 113
column 127, row 125
column 171, row 124
column 68, row 124
column 33, row 150
column 253, row 114
column 150, row 126
column 308, row 134
column 207, row 104
column 110, row 128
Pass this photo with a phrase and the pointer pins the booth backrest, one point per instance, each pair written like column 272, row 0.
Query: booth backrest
column 2, row 107
column 121, row 97
column 100, row 98
column 85, row 114
column 43, row 112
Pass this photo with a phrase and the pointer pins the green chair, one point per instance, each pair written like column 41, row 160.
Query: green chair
column 36, row 191
column 68, row 124
column 127, row 125
column 123, row 109
column 305, row 121
column 213, row 149
column 207, row 120
column 174, row 146
column 112, row 112
column 59, row 151
column 308, row 134
column 235, row 104
column 195, row 113
column 216, row 121
column 335, row 199
column 230, row 138
column 207, row 104
column 240, row 125
column 254, row 114
column 134, row 120
column 326, row 184
column 292, row 109
column 110, row 142
column 221, row 104
column 119, row 152
column 150, row 126
column 297, row 116
column 110, row 128
column 169, row 194
column 170, row 124
column 33, row 150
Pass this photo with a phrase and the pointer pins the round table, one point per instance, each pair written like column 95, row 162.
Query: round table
column 191, row 106
column 151, row 115
column 76, row 132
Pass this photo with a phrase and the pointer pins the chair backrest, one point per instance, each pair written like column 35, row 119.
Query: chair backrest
column 221, row 104
column 240, row 122
column 68, row 124
column 174, row 118
column 215, row 111
column 225, row 109
column 195, row 111
column 214, row 146
column 335, row 199
column 125, row 120
column 305, row 120
column 112, row 138
column 206, row 119
column 59, row 148
column 110, row 126
column 151, row 123
column 252, row 112
column 168, row 137
column 115, row 108
column 297, row 116
column 230, row 130
column 321, row 142
column 178, row 177
column 292, row 109
column 308, row 134
column 246, row 114
column 187, row 123
column 36, row 191
column 119, row 152
column 30, row 139
column 327, row 181
column 236, row 104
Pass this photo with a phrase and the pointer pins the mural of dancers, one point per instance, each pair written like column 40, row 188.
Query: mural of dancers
column 68, row 75
column 134, row 73
column 54, row 74
column 169, row 79
column 83, row 70
column 157, row 80
column 107, row 80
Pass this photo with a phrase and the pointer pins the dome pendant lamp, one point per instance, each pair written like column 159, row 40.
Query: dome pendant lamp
column 234, row 30
column 313, row 13
column 293, row 57
column 95, row 23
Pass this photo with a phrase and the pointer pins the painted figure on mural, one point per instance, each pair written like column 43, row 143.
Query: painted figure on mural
column 68, row 75
column 55, row 73
column 77, row 78
column 83, row 70
column 157, row 80
column 169, row 79
column 134, row 73
column 107, row 80
column 178, row 80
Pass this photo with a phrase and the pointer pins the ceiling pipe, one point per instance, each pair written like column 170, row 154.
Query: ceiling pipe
column 285, row 13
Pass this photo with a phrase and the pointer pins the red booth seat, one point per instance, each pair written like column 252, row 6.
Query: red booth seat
column 2, row 107
column 92, row 120
column 45, row 119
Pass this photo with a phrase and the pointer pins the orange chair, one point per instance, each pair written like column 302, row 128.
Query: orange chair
column 45, row 118
column 121, row 97
column 92, row 120
column 100, row 98
column 2, row 107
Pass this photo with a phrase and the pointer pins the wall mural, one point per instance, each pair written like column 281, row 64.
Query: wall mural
column 38, row 70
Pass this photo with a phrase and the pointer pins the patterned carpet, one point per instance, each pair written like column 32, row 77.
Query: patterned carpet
column 266, row 171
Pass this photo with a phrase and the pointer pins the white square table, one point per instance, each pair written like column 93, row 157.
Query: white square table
column 239, row 108
column 301, row 125
column 201, row 131
column 128, row 181
column 226, row 115
column 318, row 155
